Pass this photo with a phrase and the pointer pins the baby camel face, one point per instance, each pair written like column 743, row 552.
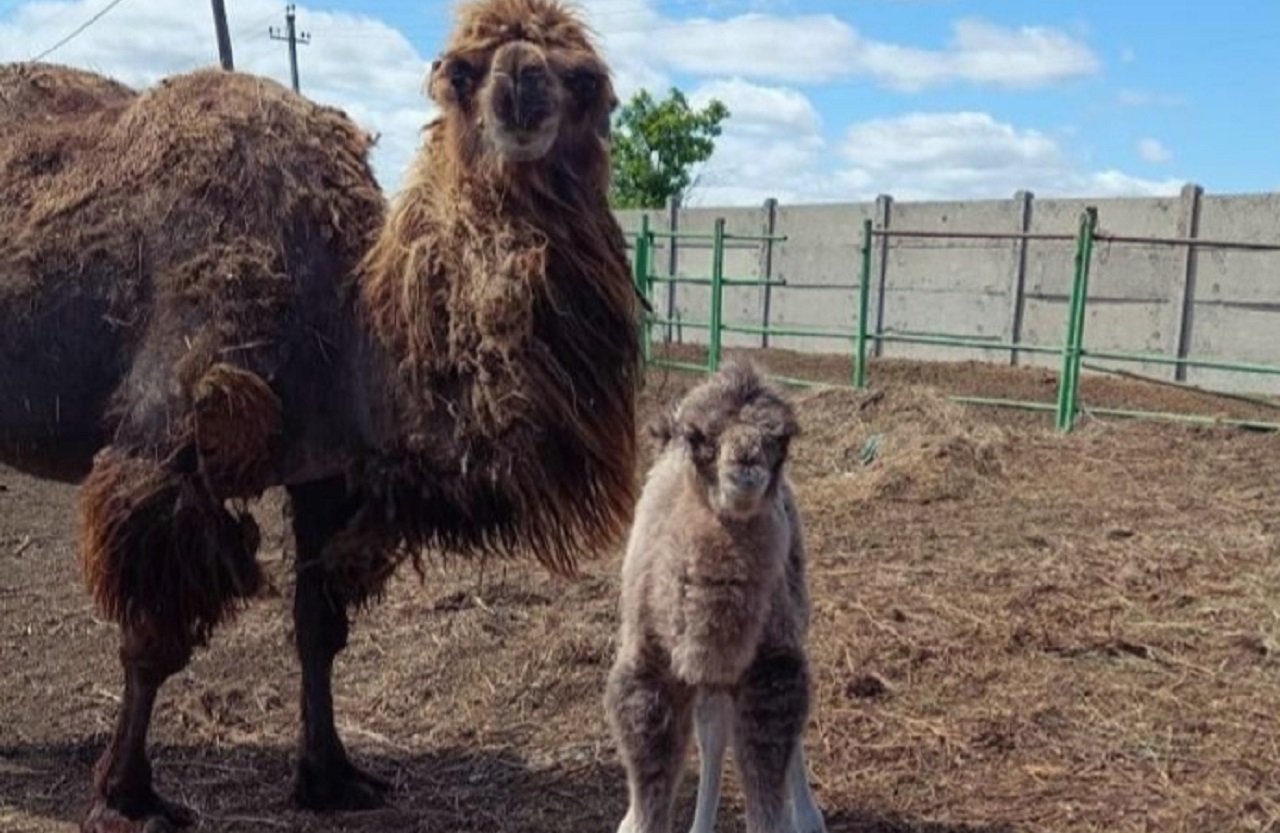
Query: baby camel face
column 737, row 433
column 738, row 466
column 522, row 78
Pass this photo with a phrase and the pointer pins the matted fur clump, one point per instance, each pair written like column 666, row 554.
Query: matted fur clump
column 504, row 293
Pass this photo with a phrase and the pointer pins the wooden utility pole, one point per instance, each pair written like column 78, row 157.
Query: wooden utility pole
column 224, row 35
column 294, row 37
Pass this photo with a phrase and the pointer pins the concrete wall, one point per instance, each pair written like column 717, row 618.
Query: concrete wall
column 1175, row 301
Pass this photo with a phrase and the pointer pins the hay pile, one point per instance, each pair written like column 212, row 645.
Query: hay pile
column 906, row 443
column 190, row 221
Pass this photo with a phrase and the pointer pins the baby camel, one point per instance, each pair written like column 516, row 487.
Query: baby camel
column 715, row 613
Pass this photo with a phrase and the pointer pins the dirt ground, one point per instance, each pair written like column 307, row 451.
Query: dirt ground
column 1013, row 631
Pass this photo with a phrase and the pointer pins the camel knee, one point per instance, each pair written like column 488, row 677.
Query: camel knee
column 650, row 714
column 774, row 692
column 772, row 709
column 152, row 653
column 162, row 556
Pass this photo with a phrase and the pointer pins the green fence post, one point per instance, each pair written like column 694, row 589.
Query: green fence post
column 644, row 285
column 864, row 307
column 1072, row 354
column 717, row 294
column 1064, row 376
column 1090, row 226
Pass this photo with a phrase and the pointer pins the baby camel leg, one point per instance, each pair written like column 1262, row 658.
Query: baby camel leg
column 650, row 715
column 772, row 708
column 713, row 719
column 805, row 812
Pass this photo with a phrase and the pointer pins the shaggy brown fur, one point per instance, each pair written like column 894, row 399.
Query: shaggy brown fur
column 151, row 240
column 715, row 612
column 175, row 270
column 183, row 285
column 503, row 291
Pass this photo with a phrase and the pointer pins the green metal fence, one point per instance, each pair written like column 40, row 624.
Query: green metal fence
column 1071, row 354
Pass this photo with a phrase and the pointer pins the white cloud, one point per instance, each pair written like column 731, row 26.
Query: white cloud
column 773, row 144
column 972, row 155
column 1151, row 150
column 755, row 108
column 984, row 53
column 917, row 156
column 640, row 41
column 141, row 41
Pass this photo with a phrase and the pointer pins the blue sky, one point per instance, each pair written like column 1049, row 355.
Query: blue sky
column 830, row 100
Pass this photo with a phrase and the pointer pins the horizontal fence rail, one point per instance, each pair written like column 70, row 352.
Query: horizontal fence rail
column 1067, row 406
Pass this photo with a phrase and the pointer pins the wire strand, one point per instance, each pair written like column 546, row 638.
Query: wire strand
column 79, row 29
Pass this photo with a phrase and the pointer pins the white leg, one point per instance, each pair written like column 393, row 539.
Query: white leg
column 712, row 719
column 805, row 813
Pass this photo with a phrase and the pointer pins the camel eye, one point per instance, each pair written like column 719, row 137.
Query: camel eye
column 583, row 83
column 699, row 446
column 461, row 74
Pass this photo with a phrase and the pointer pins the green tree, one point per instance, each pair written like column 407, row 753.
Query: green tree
column 656, row 145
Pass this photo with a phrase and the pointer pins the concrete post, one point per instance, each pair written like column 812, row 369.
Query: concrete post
column 673, row 261
column 1022, row 202
column 884, row 209
column 766, row 266
column 1185, row 296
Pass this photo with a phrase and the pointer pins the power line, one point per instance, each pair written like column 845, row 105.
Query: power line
column 79, row 29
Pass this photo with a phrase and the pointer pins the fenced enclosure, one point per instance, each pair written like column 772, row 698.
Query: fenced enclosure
column 885, row 281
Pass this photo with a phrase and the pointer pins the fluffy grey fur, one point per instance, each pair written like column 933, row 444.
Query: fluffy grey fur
column 715, row 613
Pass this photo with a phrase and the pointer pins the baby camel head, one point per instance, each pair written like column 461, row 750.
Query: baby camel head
column 736, row 432
column 520, row 83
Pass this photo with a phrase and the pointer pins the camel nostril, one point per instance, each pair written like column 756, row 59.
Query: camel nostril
column 529, row 75
column 746, row 479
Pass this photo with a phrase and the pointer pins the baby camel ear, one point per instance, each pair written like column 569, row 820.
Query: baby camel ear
column 662, row 428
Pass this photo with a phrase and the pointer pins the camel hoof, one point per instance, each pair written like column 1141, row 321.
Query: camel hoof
column 342, row 786
column 156, row 815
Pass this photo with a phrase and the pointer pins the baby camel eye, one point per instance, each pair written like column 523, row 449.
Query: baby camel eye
column 695, row 438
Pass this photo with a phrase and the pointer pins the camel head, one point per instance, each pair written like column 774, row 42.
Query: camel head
column 736, row 432
column 521, row 85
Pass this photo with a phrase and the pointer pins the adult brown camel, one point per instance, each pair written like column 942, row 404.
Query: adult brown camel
column 203, row 295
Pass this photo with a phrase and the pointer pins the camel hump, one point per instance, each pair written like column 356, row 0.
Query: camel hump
column 237, row 421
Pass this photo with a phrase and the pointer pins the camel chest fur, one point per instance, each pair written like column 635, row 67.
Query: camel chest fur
column 719, row 589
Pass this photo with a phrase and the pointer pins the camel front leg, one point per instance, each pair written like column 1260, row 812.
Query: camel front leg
column 772, row 709
column 166, row 560
column 713, row 719
column 325, row 777
column 124, row 797
column 649, row 713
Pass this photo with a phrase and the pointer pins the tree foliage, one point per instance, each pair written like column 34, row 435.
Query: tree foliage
column 657, row 144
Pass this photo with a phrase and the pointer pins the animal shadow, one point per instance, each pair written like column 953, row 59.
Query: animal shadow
column 246, row 787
